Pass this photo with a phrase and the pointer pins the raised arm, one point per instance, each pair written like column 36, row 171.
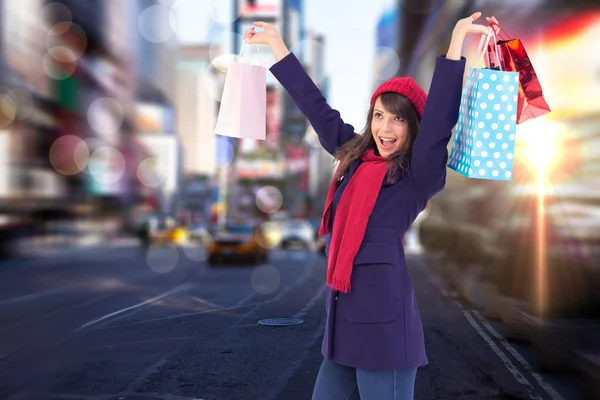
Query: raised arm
column 326, row 121
column 429, row 153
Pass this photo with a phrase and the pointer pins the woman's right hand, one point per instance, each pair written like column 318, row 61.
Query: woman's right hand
column 268, row 36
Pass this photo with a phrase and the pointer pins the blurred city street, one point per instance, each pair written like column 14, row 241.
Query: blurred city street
column 140, row 246
column 109, row 327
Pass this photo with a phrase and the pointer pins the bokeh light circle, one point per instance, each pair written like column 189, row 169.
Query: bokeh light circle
column 81, row 155
column 225, row 150
column 265, row 279
column 155, row 24
column 388, row 63
column 311, row 46
column 162, row 259
column 59, row 62
column 55, row 12
column 148, row 174
column 23, row 101
column 105, row 116
column 106, row 165
column 77, row 38
column 213, row 81
column 8, row 110
column 67, row 155
column 312, row 138
column 195, row 251
column 273, row 233
column 269, row 199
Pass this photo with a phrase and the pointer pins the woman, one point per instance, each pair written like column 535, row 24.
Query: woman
column 373, row 341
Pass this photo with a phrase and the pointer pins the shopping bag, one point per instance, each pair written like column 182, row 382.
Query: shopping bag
column 513, row 57
column 242, row 113
column 484, row 136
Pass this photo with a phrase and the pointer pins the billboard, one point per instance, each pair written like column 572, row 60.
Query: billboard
column 164, row 148
column 259, row 9
column 154, row 118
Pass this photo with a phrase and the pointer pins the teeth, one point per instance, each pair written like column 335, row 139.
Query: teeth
column 388, row 140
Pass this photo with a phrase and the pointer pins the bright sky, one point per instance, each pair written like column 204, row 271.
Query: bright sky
column 349, row 30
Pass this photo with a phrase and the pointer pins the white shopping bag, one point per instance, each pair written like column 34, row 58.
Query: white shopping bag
column 242, row 113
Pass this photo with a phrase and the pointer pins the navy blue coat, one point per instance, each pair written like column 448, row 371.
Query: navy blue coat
column 377, row 324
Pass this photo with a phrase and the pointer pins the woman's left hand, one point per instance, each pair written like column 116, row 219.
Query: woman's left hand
column 466, row 26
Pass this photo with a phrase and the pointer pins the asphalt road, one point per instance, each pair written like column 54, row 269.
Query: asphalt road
column 119, row 324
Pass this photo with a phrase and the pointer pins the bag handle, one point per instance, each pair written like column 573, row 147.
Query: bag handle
column 503, row 34
column 257, row 52
column 483, row 46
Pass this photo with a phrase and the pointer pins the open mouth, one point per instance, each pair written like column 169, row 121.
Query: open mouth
column 387, row 143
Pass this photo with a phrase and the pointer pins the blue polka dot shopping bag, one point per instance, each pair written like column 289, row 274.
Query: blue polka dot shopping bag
column 484, row 136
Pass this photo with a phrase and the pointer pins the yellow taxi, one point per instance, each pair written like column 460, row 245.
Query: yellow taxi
column 239, row 242
column 177, row 235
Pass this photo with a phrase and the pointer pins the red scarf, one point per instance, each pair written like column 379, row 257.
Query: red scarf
column 351, row 218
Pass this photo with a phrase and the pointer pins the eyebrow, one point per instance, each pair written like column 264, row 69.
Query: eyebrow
column 383, row 112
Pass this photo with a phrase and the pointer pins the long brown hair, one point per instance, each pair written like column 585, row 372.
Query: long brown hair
column 394, row 103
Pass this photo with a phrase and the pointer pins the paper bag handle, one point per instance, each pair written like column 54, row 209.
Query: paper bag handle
column 503, row 34
column 483, row 45
column 258, row 52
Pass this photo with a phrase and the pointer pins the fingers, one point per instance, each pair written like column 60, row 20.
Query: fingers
column 494, row 23
column 492, row 20
column 484, row 30
column 475, row 16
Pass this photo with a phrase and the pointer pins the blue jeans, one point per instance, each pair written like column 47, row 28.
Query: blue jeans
column 337, row 382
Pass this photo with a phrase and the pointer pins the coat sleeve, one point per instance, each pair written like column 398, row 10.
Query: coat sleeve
column 327, row 122
column 429, row 153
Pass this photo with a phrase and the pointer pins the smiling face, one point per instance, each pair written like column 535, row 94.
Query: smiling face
column 390, row 131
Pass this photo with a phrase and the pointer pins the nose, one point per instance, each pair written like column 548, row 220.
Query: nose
column 387, row 125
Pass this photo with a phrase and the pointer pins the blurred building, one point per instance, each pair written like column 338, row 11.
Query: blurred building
column 295, row 124
column 197, row 111
column 387, row 62
column 156, row 130
column 258, row 163
column 196, row 119
column 321, row 163
column 80, row 79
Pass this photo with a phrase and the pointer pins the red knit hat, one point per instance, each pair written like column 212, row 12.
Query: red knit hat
column 406, row 87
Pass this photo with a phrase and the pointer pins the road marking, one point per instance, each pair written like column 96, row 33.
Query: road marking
column 252, row 295
column 544, row 385
column 176, row 289
column 183, row 315
column 311, row 302
column 507, row 363
column 32, row 296
column 239, row 304
column 121, row 396
column 308, row 271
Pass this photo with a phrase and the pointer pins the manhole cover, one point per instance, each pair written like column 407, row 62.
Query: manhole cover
column 280, row 321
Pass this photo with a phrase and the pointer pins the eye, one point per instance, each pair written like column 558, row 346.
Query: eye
column 377, row 115
column 400, row 119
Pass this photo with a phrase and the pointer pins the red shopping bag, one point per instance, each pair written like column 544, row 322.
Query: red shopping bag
column 513, row 56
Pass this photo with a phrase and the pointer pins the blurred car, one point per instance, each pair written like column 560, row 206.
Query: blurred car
column 177, row 235
column 239, row 242
column 298, row 233
column 321, row 244
column 199, row 233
